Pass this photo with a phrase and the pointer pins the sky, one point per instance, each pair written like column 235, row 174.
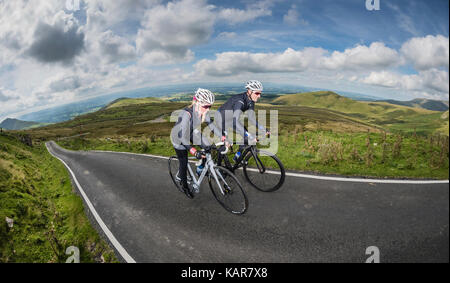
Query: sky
column 57, row 51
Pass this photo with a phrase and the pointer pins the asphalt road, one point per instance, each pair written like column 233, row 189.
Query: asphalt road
column 307, row 220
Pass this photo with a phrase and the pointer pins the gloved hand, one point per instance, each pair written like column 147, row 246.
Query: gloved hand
column 199, row 155
column 224, row 139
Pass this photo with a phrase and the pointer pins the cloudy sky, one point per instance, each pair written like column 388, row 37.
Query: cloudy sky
column 52, row 53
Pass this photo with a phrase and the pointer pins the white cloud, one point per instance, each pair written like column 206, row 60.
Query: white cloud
column 59, row 41
column 170, row 30
column 230, row 63
column 437, row 80
column 292, row 17
column 113, row 48
column 111, row 45
column 6, row 95
column 433, row 82
column 235, row 16
column 20, row 20
column 375, row 56
column 103, row 15
column 253, row 11
column 427, row 52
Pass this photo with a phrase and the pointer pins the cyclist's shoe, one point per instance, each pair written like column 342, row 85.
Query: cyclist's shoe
column 178, row 179
column 188, row 192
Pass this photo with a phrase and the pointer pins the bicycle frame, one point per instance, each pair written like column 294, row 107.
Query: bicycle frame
column 209, row 166
column 249, row 148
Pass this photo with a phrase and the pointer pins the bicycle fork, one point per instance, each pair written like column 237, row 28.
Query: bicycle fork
column 259, row 164
column 215, row 176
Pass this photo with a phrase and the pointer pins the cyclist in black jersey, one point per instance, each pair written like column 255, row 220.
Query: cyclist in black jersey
column 229, row 113
column 187, row 131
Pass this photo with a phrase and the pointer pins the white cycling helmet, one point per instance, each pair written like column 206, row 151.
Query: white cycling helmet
column 204, row 96
column 254, row 85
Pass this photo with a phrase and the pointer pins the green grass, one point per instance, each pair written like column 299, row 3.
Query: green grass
column 36, row 192
column 324, row 133
column 391, row 117
column 134, row 101
column 356, row 154
column 128, row 128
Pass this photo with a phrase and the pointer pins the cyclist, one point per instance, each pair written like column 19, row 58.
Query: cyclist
column 228, row 114
column 187, row 130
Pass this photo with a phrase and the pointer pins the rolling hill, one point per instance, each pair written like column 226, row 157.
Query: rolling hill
column 429, row 104
column 331, row 135
column 15, row 124
column 390, row 116
column 323, row 110
column 124, row 101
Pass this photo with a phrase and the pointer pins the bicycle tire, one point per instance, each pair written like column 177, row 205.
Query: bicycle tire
column 236, row 190
column 256, row 176
column 173, row 169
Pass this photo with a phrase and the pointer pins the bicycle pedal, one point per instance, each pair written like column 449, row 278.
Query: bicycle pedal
column 196, row 190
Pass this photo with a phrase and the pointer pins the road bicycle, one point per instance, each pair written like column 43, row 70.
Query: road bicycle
column 224, row 185
column 262, row 169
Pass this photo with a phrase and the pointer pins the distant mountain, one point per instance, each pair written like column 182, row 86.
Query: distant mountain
column 394, row 117
column 69, row 111
column 15, row 124
column 429, row 104
column 175, row 92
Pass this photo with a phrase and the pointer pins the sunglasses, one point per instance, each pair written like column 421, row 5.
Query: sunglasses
column 206, row 106
column 257, row 93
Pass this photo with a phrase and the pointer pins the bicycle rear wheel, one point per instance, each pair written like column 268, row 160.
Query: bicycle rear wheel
column 174, row 165
column 232, row 197
column 266, row 173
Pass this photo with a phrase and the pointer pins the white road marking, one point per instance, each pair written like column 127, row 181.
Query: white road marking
column 299, row 175
column 97, row 217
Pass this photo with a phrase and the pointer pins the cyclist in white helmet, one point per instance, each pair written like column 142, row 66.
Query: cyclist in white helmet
column 238, row 104
column 187, row 131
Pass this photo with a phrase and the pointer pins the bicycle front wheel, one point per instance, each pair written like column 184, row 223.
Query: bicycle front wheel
column 228, row 191
column 265, row 173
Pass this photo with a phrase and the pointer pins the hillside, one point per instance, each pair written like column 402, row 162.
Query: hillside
column 310, row 138
column 133, row 117
column 429, row 104
column 46, row 215
column 124, row 101
column 445, row 127
column 383, row 114
column 15, row 124
column 68, row 111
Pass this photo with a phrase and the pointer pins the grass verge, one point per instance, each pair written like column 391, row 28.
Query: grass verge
column 48, row 217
